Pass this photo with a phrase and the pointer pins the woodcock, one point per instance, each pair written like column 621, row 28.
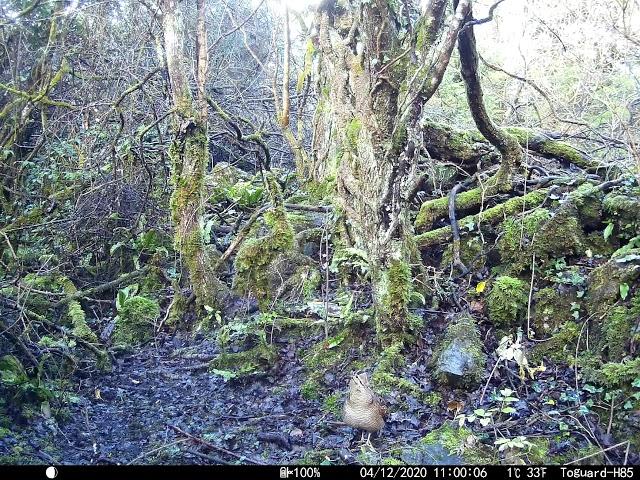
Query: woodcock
column 363, row 408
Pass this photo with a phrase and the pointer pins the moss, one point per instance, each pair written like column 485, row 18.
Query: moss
column 316, row 457
column 395, row 290
column 507, row 301
column 588, row 200
column 538, row 452
column 617, row 331
column 352, row 132
column 310, row 390
column 384, row 377
column 257, row 254
column 76, row 314
column 177, row 308
column 560, row 347
column 458, row 441
column 433, row 399
column 471, row 253
column 551, row 310
column 621, row 208
column 604, row 281
column 321, row 191
column 332, row 404
column 491, row 215
column 135, row 321
column 540, row 232
column 247, row 362
column 616, row 374
column 463, row 334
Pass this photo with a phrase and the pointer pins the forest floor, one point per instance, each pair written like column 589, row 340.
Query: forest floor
column 162, row 405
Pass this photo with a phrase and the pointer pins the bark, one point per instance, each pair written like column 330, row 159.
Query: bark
column 373, row 82
column 189, row 153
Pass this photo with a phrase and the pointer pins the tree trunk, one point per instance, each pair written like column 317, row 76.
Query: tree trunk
column 374, row 74
column 189, row 153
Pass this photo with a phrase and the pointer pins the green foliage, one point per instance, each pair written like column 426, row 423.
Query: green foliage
column 19, row 390
column 507, row 301
column 136, row 318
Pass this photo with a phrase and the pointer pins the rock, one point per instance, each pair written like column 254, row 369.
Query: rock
column 459, row 357
column 434, row 454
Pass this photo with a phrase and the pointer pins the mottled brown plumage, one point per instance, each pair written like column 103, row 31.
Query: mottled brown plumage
column 363, row 409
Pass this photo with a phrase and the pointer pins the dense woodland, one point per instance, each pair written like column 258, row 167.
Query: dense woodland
column 255, row 231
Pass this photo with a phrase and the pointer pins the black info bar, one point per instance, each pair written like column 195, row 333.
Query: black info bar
column 490, row 472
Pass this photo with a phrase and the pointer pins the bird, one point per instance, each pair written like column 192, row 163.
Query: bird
column 363, row 409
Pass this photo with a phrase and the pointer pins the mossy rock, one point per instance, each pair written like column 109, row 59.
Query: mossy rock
column 458, row 358
column 588, row 200
column 448, row 445
column 135, row 321
column 543, row 233
column 240, row 364
column 621, row 208
column 604, row 281
column 552, row 309
column 507, row 302
column 560, row 347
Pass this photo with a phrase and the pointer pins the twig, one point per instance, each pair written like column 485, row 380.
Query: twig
column 599, row 452
column 216, row 447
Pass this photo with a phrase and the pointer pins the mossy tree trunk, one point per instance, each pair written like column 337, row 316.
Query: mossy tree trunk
column 375, row 72
column 189, row 153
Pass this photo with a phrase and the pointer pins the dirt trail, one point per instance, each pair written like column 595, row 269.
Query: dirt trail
column 127, row 414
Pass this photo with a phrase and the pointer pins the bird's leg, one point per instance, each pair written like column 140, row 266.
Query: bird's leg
column 368, row 442
column 362, row 437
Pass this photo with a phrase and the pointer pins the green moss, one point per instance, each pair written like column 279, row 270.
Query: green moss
column 621, row 208
column 471, row 253
column 542, row 234
column 551, row 310
column 310, row 390
column 507, row 301
column 456, row 441
column 395, row 290
column 617, row 331
column 332, row 404
column 257, row 254
column 616, row 374
column 247, row 362
column 76, row 314
column 385, row 378
column 317, row 457
column 604, row 281
column 352, row 131
column 433, row 399
column 560, row 347
column 135, row 321
column 491, row 215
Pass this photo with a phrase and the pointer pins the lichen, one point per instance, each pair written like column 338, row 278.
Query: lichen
column 507, row 301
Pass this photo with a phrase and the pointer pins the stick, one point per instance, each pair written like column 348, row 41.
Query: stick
column 216, row 447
